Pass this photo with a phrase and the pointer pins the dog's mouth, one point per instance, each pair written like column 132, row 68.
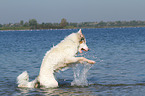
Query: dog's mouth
column 83, row 50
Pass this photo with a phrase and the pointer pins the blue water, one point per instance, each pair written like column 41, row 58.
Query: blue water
column 119, row 54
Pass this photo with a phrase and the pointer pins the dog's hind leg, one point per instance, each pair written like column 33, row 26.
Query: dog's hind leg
column 48, row 82
column 46, row 79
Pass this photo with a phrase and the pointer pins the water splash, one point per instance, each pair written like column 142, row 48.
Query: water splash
column 80, row 74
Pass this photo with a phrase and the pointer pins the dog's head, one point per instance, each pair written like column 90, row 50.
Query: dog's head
column 82, row 42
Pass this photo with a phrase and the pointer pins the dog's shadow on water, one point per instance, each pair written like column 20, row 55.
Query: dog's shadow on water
column 62, row 83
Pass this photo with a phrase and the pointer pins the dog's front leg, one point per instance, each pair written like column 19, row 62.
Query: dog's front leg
column 82, row 59
column 79, row 59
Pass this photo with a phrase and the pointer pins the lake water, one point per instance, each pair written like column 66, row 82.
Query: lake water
column 119, row 54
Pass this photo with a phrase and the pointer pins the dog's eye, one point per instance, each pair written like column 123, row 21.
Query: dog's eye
column 82, row 39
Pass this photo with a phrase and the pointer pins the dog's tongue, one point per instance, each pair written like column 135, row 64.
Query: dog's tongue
column 80, row 50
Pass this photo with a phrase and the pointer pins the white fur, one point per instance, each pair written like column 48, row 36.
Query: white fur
column 55, row 59
column 23, row 80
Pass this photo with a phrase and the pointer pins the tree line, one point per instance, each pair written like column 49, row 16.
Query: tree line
column 33, row 24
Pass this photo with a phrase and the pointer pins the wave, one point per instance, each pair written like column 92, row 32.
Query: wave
column 68, row 83
column 117, row 85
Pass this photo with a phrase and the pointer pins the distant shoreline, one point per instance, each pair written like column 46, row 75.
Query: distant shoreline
column 66, row 29
column 33, row 25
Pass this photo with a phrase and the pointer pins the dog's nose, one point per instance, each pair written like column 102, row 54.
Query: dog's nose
column 87, row 49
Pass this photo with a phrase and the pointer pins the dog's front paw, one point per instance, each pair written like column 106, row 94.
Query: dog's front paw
column 91, row 62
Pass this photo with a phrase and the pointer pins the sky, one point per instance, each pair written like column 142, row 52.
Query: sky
column 13, row 11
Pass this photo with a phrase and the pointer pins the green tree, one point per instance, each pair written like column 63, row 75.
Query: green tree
column 63, row 22
column 1, row 25
column 26, row 24
column 101, row 24
column 33, row 23
column 21, row 22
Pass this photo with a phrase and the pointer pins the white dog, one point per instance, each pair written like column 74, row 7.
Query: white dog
column 58, row 57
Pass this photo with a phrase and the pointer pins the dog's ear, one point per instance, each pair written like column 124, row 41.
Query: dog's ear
column 80, row 32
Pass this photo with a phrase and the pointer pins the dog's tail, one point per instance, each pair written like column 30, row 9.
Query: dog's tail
column 23, row 81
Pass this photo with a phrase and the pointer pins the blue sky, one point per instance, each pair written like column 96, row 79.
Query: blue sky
column 73, row 10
